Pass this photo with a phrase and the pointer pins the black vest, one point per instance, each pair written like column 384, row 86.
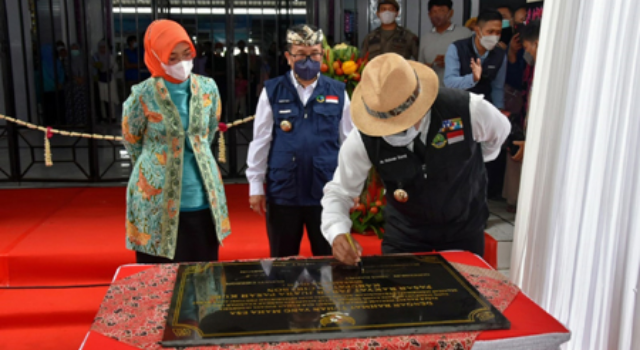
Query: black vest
column 447, row 190
column 490, row 66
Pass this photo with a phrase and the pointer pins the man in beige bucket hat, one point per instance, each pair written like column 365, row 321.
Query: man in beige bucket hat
column 429, row 145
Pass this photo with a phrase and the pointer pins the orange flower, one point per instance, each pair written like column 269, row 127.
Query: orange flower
column 153, row 117
column 162, row 90
column 132, row 139
column 207, row 100
column 219, row 110
column 162, row 158
column 175, row 145
column 145, row 187
column 171, row 206
column 196, row 144
column 135, row 236
column 194, row 86
column 226, row 224
column 214, row 198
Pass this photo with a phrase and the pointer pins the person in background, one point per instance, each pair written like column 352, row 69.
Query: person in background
column 105, row 63
column 529, row 35
column 255, row 67
column 390, row 37
column 435, row 43
column 516, row 66
column 272, row 59
column 519, row 17
column 471, row 23
column 132, row 63
column 53, row 78
column 507, row 24
column 478, row 65
column 176, row 205
column 76, row 98
column 242, row 80
column 200, row 62
column 218, row 69
column 428, row 145
column 283, row 62
column 301, row 120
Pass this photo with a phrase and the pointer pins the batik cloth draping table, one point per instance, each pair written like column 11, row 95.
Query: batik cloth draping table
column 134, row 311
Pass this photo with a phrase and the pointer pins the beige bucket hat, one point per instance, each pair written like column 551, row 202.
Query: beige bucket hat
column 393, row 95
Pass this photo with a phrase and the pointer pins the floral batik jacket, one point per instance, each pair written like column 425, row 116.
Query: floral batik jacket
column 155, row 138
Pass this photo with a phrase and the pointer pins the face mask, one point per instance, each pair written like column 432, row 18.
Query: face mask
column 489, row 42
column 529, row 58
column 179, row 71
column 307, row 69
column 403, row 139
column 506, row 23
column 387, row 17
column 75, row 53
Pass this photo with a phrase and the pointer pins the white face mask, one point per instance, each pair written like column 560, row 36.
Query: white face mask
column 179, row 71
column 403, row 139
column 387, row 17
column 489, row 42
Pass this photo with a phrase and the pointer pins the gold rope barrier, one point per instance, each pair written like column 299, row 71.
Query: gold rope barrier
column 49, row 132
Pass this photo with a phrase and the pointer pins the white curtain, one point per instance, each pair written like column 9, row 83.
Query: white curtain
column 577, row 237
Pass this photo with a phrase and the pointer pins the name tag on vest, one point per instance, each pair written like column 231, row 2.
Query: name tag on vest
column 284, row 101
column 491, row 67
column 285, row 111
column 393, row 159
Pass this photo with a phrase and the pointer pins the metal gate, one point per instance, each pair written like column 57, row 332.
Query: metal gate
column 70, row 64
column 73, row 64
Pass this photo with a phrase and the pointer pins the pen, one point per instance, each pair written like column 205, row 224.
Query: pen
column 355, row 250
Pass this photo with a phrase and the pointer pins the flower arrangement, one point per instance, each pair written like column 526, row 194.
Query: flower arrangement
column 367, row 215
column 343, row 63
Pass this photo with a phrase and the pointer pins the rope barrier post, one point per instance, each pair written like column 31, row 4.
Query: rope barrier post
column 49, row 132
column 47, row 147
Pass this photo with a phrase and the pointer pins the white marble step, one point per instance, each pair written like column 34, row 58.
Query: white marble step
column 500, row 226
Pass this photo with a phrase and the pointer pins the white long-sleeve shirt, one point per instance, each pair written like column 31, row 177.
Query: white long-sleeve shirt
column 490, row 128
column 258, row 156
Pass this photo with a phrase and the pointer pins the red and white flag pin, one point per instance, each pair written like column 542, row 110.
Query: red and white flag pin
column 455, row 136
column 332, row 99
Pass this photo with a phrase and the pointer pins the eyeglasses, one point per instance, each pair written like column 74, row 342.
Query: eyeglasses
column 298, row 57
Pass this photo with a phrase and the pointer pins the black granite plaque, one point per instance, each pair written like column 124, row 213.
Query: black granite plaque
column 262, row 301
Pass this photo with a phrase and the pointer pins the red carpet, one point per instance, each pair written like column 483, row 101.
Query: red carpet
column 78, row 234
column 74, row 237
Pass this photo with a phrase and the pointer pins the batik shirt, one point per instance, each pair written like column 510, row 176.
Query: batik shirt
column 155, row 139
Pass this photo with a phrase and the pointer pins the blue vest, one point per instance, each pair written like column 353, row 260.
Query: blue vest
column 304, row 159
column 490, row 66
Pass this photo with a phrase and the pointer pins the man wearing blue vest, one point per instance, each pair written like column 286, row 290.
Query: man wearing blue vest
column 477, row 64
column 302, row 118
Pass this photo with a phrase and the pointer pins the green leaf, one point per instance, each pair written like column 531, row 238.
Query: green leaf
column 378, row 232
